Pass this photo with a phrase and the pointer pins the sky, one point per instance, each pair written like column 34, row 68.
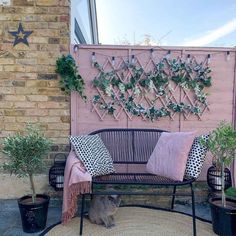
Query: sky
column 168, row 22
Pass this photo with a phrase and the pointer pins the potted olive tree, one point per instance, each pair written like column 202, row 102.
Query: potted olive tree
column 222, row 145
column 25, row 153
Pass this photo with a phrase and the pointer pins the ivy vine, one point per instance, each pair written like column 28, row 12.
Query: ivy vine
column 70, row 79
column 189, row 76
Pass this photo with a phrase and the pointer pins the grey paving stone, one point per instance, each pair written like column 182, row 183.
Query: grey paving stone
column 202, row 210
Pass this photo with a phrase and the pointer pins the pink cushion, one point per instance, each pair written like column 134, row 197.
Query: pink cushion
column 170, row 154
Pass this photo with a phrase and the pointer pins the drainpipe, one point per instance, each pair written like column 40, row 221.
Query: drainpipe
column 93, row 21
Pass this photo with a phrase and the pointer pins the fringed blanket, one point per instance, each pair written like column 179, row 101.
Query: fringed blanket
column 76, row 181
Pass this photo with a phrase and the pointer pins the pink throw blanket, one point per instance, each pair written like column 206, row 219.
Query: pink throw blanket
column 76, row 181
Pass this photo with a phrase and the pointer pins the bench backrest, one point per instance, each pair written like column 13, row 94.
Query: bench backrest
column 130, row 146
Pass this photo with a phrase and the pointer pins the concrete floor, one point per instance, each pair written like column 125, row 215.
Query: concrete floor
column 10, row 222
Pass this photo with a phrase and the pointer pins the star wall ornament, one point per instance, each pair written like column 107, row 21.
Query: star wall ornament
column 20, row 35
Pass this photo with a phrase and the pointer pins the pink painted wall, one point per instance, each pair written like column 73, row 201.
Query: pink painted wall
column 221, row 94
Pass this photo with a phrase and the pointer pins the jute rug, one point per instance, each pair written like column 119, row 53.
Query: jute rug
column 137, row 221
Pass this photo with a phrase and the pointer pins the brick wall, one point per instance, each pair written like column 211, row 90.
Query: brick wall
column 29, row 90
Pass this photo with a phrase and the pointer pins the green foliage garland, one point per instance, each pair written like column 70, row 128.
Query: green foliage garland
column 186, row 75
column 71, row 80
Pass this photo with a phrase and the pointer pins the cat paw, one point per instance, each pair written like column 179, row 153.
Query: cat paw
column 110, row 226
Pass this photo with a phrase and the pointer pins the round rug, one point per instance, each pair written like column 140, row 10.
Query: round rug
column 135, row 221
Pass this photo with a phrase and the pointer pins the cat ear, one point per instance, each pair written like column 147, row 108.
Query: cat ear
column 114, row 196
column 111, row 198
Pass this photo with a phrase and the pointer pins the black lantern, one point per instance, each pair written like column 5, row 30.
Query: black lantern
column 56, row 172
column 214, row 178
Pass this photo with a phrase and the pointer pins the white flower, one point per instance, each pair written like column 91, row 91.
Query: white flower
column 137, row 91
column 121, row 87
column 151, row 85
column 108, row 91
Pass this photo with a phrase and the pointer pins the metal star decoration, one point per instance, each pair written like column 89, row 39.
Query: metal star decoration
column 20, row 35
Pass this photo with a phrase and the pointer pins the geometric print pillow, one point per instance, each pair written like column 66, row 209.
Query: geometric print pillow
column 196, row 157
column 91, row 150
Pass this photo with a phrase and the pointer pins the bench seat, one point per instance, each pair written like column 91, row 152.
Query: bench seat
column 138, row 178
column 130, row 150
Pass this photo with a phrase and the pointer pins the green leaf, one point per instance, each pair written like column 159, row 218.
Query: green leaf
column 70, row 80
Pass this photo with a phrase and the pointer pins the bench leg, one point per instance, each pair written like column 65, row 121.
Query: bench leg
column 173, row 198
column 193, row 211
column 82, row 215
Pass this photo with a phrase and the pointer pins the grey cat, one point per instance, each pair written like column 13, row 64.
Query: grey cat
column 102, row 209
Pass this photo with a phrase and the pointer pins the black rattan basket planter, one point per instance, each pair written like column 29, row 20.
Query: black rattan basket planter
column 56, row 172
column 214, row 178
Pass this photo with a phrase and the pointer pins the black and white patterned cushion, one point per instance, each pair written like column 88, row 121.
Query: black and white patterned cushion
column 91, row 150
column 196, row 157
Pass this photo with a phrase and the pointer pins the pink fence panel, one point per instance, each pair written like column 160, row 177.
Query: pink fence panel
column 87, row 117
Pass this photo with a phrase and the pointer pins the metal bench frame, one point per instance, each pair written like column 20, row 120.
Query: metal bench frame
column 140, row 144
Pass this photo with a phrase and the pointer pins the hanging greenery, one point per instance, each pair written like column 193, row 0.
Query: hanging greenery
column 70, row 79
column 126, row 93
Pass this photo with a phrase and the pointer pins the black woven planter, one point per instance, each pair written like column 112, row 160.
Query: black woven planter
column 223, row 218
column 56, row 172
column 214, row 178
column 33, row 215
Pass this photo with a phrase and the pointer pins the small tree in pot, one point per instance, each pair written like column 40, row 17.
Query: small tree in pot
column 26, row 154
column 222, row 145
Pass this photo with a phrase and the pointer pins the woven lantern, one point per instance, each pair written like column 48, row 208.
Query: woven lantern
column 56, row 172
column 214, row 178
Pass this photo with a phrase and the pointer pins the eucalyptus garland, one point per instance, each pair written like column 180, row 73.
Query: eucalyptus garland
column 70, row 79
column 189, row 76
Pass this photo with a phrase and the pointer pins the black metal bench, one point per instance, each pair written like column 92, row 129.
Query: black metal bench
column 134, row 147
